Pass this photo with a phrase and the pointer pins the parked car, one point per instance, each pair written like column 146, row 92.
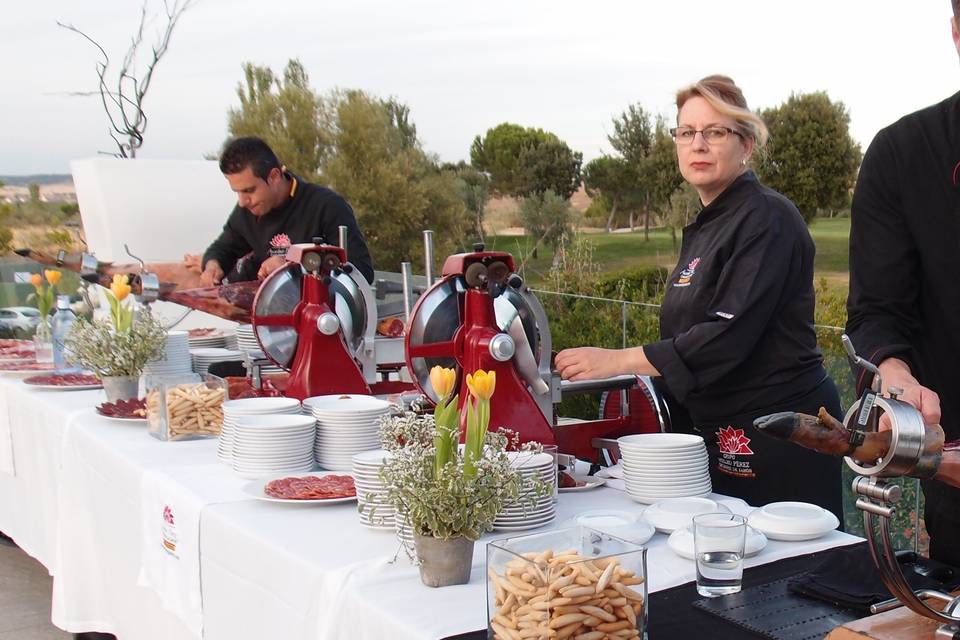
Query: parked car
column 24, row 318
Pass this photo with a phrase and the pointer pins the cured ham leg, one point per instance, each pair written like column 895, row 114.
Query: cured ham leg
column 825, row 434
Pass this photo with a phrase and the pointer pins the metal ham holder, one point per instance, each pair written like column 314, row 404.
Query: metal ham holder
column 909, row 454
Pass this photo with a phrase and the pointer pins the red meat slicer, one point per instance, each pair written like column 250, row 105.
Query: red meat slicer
column 481, row 315
column 317, row 317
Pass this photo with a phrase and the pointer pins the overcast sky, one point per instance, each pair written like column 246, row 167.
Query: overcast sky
column 567, row 67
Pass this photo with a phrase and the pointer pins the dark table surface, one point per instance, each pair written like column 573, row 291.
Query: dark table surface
column 672, row 614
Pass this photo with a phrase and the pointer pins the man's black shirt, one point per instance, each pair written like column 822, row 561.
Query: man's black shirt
column 312, row 211
column 737, row 318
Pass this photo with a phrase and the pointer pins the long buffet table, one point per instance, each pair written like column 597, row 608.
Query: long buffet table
column 86, row 497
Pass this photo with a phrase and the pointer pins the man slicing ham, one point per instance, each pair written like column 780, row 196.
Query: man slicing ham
column 275, row 209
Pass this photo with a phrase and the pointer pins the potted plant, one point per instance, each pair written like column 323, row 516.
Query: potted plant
column 117, row 349
column 44, row 296
column 450, row 495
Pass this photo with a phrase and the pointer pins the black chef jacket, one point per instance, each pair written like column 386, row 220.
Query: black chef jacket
column 311, row 212
column 737, row 318
column 904, row 294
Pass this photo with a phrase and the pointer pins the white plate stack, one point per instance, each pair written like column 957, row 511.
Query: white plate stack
column 176, row 359
column 247, row 342
column 375, row 511
column 522, row 515
column 268, row 445
column 233, row 410
column 346, row 425
column 215, row 339
column 664, row 465
column 203, row 358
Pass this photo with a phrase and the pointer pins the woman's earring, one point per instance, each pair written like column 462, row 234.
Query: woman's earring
column 743, row 162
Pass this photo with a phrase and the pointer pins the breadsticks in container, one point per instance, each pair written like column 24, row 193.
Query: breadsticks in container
column 185, row 407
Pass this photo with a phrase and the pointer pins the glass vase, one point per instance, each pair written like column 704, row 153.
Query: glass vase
column 43, row 342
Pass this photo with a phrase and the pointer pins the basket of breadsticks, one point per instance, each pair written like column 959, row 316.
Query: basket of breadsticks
column 185, row 407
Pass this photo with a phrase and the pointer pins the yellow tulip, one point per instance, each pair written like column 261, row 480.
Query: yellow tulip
column 442, row 379
column 36, row 280
column 119, row 286
column 53, row 276
column 482, row 383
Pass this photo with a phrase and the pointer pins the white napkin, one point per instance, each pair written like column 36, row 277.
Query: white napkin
column 6, row 438
column 614, row 477
column 171, row 508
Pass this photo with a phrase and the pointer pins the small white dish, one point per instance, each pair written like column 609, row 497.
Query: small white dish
column 793, row 521
column 589, row 482
column 622, row 524
column 676, row 513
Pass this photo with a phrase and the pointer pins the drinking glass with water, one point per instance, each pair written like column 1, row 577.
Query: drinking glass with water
column 718, row 540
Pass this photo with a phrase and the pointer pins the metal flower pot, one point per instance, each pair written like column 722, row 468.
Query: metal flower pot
column 121, row 387
column 444, row 562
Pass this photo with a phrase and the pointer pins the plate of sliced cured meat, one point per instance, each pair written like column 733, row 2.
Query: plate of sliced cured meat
column 134, row 410
column 17, row 351
column 304, row 488
column 24, row 368
column 64, row 381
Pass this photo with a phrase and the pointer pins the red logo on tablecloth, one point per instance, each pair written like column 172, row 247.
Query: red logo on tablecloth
column 167, row 514
column 732, row 440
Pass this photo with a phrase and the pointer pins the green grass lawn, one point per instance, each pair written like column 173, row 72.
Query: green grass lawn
column 616, row 251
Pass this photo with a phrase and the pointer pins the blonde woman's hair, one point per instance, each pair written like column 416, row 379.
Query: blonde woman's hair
column 726, row 97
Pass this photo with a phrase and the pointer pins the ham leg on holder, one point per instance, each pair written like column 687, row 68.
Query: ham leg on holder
column 825, row 434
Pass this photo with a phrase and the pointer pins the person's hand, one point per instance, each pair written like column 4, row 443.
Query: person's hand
column 192, row 262
column 588, row 363
column 896, row 373
column 270, row 265
column 212, row 274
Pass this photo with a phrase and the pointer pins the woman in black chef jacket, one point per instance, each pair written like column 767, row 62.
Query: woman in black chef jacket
column 736, row 326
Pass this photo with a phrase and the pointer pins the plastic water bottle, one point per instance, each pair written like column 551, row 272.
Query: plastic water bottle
column 62, row 323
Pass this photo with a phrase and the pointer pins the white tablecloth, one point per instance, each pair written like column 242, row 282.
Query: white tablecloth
column 266, row 570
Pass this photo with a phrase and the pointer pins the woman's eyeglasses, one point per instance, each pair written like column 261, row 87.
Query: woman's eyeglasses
column 711, row 135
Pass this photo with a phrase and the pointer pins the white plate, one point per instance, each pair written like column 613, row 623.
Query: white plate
column 72, row 387
column 255, row 489
column 675, row 513
column 346, row 404
column 681, row 543
column 793, row 521
column 622, row 524
column 660, row 441
column 590, row 482
column 525, row 527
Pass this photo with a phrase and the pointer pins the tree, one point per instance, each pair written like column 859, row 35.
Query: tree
column 612, row 178
column 683, row 205
column 395, row 188
column 811, row 157
column 659, row 174
column 286, row 113
column 632, row 134
column 474, row 190
column 549, row 166
column 523, row 161
column 546, row 217
column 123, row 95
column 34, row 190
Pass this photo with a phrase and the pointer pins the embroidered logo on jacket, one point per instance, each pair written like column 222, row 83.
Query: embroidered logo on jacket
column 687, row 274
column 732, row 440
column 279, row 244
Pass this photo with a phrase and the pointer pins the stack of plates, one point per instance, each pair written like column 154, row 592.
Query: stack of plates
column 346, row 425
column 268, row 445
column 375, row 512
column 203, row 358
column 176, row 359
column 664, row 465
column 216, row 339
column 233, row 410
column 247, row 342
column 521, row 515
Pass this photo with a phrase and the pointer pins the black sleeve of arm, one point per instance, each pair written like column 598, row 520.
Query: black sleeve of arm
column 881, row 306
column 748, row 291
column 227, row 248
column 338, row 212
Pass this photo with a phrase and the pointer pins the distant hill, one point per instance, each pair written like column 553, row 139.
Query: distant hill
column 41, row 179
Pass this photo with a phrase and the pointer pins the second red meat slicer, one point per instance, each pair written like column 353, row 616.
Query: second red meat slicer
column 481, row 315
